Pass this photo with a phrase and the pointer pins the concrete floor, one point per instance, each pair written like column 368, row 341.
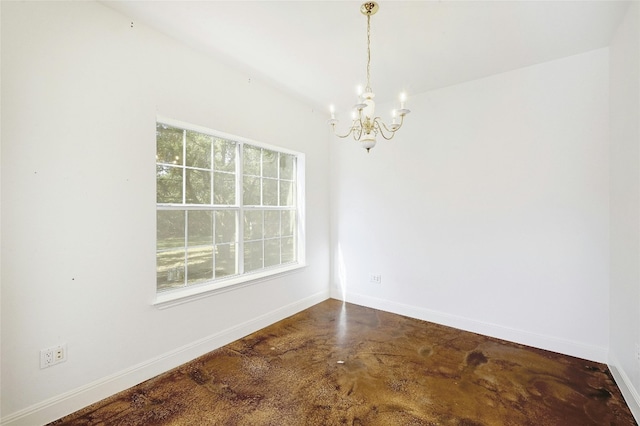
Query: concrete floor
column 336, row 364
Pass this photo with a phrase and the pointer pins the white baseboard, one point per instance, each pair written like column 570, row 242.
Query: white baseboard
column 69, row 402
column 629, row 392
column 567, row 347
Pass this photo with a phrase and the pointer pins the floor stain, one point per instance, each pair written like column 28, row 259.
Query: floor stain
column 342, row 364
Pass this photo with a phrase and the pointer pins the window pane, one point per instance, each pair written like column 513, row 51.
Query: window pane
column 200, row 225
column 251, row 191
column 226, row 263
column 199, row 264
column 168, row 184
column 252, row 225
column 288, row 222
column 272, row 252
column 286, row 166
column 288, row 250
column 224, row 188
column 269, row 192
column 271, row 223
column 198, row 187
column 269, row 163
column 224, row 155
column 225, row 226
column 198, row 150
column 252, row 256
column 169, row 229
column 170, row 269
column 251, row 160
column 168, row 144
column 286, row 193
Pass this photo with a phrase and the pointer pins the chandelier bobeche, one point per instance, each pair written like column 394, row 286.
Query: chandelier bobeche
column 365, row 126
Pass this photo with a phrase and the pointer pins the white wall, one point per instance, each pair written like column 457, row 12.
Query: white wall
column 625, row 206
column 81, row 89
column 489, row 210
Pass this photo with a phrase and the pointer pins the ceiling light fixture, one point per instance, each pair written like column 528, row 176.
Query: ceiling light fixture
column 365, row 126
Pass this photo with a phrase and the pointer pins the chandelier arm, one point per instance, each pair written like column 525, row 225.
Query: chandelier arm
column 355, row 126
column 381, row 129
column 358, row 131
column 387, row 137
column 345, row 135
column 393, row 131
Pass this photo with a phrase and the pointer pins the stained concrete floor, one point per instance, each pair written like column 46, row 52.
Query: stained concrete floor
column 336, row 364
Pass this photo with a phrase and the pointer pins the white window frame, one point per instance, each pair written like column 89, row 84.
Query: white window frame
column 168, row 298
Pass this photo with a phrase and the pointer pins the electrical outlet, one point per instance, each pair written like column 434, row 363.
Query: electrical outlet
column 375, row 278
column 53, row 355
column 637, row 354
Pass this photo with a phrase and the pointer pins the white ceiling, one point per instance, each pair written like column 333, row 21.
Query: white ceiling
column 316, row 50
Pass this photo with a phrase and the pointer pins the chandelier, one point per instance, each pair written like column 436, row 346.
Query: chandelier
column 365, row 126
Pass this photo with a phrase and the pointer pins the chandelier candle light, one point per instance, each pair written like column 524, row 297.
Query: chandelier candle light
column 365, row 126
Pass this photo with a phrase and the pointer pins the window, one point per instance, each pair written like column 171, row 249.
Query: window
column 227, row 209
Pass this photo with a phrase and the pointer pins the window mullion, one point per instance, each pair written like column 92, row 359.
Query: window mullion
column 240, row 203
column 186, row 245
column 184, row 167
column 261, row 176
column 211, row 209
column 184, row 201
column 262, row 200
column 280, row 232
column 278, row 178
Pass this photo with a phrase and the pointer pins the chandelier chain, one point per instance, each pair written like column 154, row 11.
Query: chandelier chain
column 368, row 88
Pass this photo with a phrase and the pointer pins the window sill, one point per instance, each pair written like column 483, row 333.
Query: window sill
column 170, row 298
